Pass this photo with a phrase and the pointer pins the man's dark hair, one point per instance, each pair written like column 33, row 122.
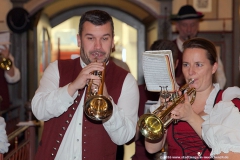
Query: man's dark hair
column 166, row 45
column 96, row 17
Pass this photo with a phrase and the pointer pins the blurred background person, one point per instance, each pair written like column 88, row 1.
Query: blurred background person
column 3, row 137
column 11, row 75
column 187, row 24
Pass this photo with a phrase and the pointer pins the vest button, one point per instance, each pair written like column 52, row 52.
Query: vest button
column 52, row 154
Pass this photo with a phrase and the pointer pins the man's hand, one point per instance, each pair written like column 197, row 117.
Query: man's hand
column 84, row 76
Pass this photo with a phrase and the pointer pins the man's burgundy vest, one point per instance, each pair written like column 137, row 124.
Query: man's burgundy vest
column 4, row 91
column 96, row 143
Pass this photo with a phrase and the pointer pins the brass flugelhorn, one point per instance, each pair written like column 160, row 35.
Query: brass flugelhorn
column 97, row 107
column 5, row 63
column 153, row 125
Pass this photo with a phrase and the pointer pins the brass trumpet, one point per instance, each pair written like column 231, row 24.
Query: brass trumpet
column 153, row 125
column 97, row 107
column 5, row 63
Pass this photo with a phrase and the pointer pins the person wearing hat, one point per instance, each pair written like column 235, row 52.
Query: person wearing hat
column 187, row 24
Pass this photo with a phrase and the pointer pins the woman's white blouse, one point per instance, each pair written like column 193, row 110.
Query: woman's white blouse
column 221, row 129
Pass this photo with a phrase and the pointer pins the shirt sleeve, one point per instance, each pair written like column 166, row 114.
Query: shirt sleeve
column 3, row 137
column 50, row 100
column 121, row 127
column 230, row 93
column 14, row 78
column 221, row 130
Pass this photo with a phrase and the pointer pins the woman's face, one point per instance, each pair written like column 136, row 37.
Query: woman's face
column 196, row 66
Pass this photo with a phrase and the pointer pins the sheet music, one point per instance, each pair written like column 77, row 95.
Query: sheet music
column 158, row 70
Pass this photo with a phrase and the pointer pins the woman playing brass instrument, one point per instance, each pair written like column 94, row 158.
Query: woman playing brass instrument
column 8, row 74
column 185, row 138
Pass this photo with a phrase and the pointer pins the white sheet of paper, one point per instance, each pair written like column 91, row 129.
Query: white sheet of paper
column 157, row 70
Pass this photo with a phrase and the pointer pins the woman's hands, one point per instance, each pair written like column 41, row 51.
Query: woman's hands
column 184, row 111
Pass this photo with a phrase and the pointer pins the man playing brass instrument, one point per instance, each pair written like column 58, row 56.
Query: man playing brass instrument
column 8, row 74
column 59, row 101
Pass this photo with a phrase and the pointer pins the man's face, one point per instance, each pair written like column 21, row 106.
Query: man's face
column 187, row 28
column 96, row 42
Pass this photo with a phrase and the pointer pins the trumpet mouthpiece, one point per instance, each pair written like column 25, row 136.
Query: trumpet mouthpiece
column 191, row 81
